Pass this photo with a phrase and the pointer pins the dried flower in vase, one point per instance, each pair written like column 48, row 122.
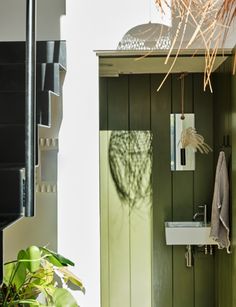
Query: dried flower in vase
column 190, row 137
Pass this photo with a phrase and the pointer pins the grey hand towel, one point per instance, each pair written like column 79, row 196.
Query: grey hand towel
column 220, row 205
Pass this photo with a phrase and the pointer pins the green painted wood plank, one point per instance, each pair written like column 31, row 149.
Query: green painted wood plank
column 204, row 279
column 222, row 127
column 118, row 219
column 176, row 94
column 140, row 255
column 233, row 185
column 225, row 270
column 203, row 190
column 220, row 118
column 118, row 103
column 204, row 173
column 114, row 217
column 183, row 287
column 182, row 195
column 182, row 180
column 139, row 95
column 103, row 116
column 224, row 279
column 219, row 128
column 216, row 279
column 183, row 279
column 182, row 189
column 162, row 199
column 119, row 248
column 104, row 225
column 141, row 214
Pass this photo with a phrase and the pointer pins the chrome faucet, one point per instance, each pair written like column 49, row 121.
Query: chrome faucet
column 204, row 214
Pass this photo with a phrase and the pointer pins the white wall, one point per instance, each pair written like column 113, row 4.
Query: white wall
column 87, row 26
column 13, row 14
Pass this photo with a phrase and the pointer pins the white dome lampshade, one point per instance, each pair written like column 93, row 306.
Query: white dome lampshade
column 148, row 36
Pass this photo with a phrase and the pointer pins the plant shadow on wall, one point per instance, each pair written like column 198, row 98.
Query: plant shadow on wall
column 39, row 272
column 130, row 160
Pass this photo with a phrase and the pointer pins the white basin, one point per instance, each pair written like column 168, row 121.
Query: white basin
column 188, row 233
column 184, row 224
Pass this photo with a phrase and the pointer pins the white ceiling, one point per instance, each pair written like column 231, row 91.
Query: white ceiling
column 114, row 63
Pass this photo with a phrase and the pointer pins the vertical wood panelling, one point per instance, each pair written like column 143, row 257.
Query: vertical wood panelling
column 203, row 191
column 104, row 221
column 103, row 104
column 176, row 94
column 117, row 97
column 140, row 217
column 233, row 184
column 219, row 128
column 119, row 231
column 139, row 91
column 104, row 205
column 133, row 103
column 204, row 173
column 224, row 279
column 182, row 192
column 221, row 106
column 119, row 249
column 182, row 180
column 182, row 276
column 222, row 127
column 204, row 279
column 162, row 199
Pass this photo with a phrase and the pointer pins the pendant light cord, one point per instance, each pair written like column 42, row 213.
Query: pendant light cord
column 150, row 11
column 182, row 76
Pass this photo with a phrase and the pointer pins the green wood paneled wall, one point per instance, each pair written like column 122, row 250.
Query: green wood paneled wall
column 126, row 234
column 233, row 188
column 132, row 102
column 225, row 132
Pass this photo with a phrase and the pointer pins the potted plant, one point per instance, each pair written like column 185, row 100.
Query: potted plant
column 38, row 277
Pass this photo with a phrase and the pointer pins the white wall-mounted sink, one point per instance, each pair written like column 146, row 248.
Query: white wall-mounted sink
column 188, row 233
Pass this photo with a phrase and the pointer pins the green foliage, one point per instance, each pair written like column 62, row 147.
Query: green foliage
column 38, row 270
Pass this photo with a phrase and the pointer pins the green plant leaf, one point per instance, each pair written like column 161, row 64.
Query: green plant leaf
column 14, row 274
column 34, row 256
column 30, row 291
column 69, row 277
column 35, row 272
column 8, row 272
column 45, row 275
column 30, row 302
column 22, row 255
column 56, row 259
column 62, row 298
column 20, row 275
